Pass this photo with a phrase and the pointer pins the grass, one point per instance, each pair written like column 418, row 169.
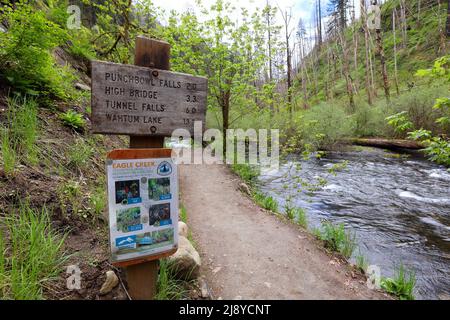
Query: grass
column 336, row 238
column 183, row 218
column 79, row 154
column 20, row 133
column 296, row 214
column 246, row 173
column 97, row 200
column 402, row 285
column 183, row 214
column 301, row 218
column 361, row 262
column 34, row 257
column 168, row 287
column 9, row 154
column 267, row 202
column 70, row 196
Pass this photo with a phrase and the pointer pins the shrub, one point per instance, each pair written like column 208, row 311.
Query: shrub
column 402, row 285
column 325, row 124
column 370, row 120
column 26, row 61
column 74, row 120
column 417, row 105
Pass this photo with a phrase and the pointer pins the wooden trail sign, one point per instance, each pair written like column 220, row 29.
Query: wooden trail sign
column 140, row 101
column 146, row 102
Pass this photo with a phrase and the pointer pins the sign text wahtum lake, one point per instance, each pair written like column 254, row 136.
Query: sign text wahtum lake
column 134, row 100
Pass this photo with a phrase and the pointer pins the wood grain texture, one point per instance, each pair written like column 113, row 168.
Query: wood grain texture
column 130, row 154
column 132, row 262
column 140, row 101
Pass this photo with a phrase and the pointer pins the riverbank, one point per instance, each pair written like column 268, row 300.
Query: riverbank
column 395, row 205
column 248, row 253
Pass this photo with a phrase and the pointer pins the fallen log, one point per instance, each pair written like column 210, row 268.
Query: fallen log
column 386, row 143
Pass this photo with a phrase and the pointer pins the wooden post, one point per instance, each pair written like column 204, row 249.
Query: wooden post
column 142, row 277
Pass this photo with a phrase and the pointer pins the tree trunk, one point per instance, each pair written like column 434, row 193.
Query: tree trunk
column 225, row 104
column 346, row 71
column 367, row 49
column 443, row 45
column 289, row 69
column 319, row 23
column 448, row 19
column 394, row 14
column 404, row 26
column 380, row 53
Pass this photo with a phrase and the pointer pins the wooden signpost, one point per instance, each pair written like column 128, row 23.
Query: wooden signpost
column 146, row 102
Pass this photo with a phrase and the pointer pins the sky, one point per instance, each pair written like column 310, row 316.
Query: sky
column 300, row 8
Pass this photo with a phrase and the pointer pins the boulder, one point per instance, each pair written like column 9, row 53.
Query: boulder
column 182, row 229
column 110, row 283
column 245, row 189
column 186, row 261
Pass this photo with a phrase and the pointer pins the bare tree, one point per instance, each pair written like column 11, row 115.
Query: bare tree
column 380, row 53
column 367, row 51
column 287, row 17
column 394, row 31
column 443, row 44
column 346, row 71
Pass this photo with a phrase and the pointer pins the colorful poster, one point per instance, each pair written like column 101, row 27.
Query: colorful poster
column 143, row 207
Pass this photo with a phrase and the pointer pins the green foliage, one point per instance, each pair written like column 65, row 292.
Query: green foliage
column 26, row 60
column 361, row 262
column 370, row 120
column 437, row 150
column 168, row 287
column 97, row 200
column 402, row 285
column 266, row 202
column 70, row 197
column 246, row 172
column 337, row 239
column 9, row 155
column 34, row 257
column 183, row 213
column 437, row 147
column 20, row 133
column 79, row 154
column 74, row 120
column 324, row 125
column 400, row 122
column 301, row 219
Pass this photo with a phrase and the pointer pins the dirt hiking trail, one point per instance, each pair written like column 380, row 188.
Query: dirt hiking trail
column 248, row 253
